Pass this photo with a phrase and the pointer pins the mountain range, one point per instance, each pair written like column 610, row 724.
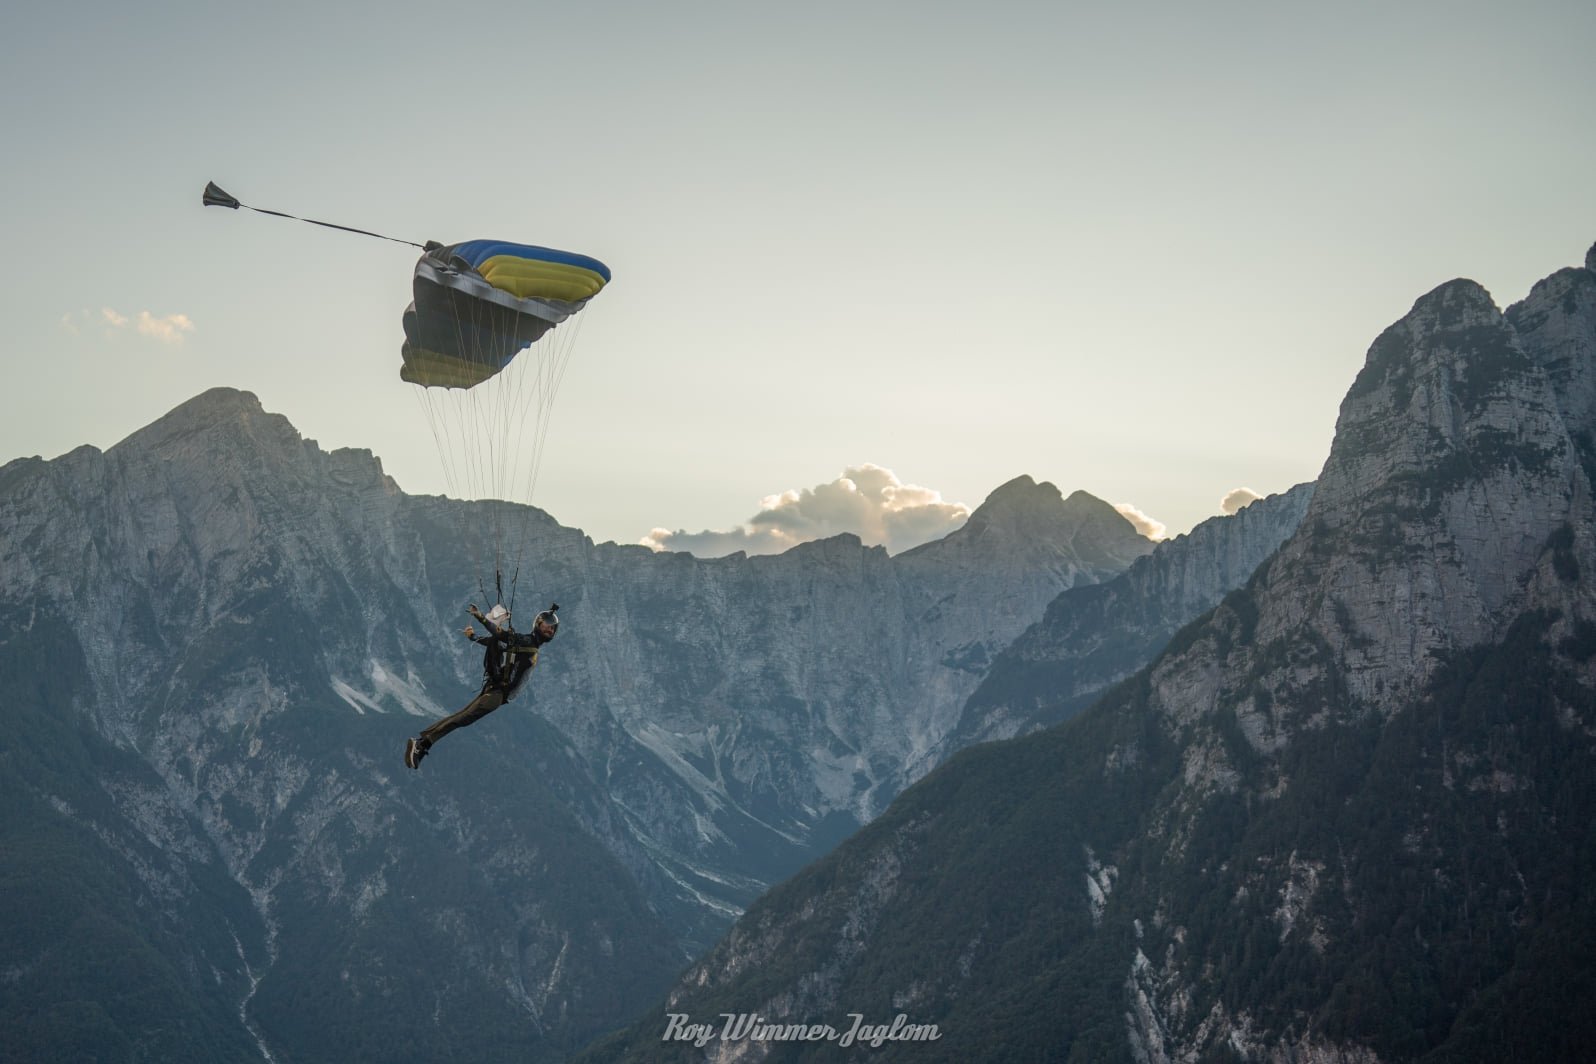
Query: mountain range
column 215, row 637
column 1345, row 815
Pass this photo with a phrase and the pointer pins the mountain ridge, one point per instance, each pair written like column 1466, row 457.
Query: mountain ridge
column 255, row 626
column 1094, row 636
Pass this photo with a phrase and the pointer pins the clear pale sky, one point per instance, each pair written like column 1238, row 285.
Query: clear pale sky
column 1135, row 249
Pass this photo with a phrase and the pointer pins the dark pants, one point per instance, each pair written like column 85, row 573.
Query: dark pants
column 490, row 699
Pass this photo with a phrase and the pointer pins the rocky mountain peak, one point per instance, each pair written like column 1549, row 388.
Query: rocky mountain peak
column 1025, row 497
column 230, row 435
column 1093, row 512
column 1458, row 303
column 1019, row 500
column 1094, row 636
column 221, row 401
column 1033, row 517
column 1018, row 490
column 1452, row 469
column 1453, row 524
column 217, row 407
column 1557, row 325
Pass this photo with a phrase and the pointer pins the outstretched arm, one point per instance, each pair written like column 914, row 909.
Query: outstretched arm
column 494, row 631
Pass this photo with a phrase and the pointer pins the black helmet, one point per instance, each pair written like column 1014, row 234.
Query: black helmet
column 549, row 617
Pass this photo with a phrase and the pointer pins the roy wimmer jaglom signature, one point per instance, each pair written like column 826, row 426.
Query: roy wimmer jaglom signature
column 752, row 1027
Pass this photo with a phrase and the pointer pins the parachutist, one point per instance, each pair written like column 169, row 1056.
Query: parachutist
column 508, row 660
column 477, row 345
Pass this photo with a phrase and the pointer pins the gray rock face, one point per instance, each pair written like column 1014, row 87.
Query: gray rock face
column 1453, row 524
column 1432, row 522
column 1556, row 325
column 261, row 623
column 974, row 591
column 745, row 713
column 1092, row 637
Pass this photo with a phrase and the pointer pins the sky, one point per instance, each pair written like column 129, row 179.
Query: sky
column 870, row 258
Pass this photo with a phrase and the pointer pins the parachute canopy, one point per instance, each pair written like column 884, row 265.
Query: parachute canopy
column 479, row 303
column 487, row 339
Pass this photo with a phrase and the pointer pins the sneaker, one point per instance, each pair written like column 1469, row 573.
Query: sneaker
column 415, row 750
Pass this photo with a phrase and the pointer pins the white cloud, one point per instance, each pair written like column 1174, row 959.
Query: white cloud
column 1147, row 526
column 708, row 544
column 1237, row 499
column 867, row 500
column 167, row 328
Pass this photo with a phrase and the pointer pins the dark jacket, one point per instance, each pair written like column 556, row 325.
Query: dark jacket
column 511, row 656
column 494, row 672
